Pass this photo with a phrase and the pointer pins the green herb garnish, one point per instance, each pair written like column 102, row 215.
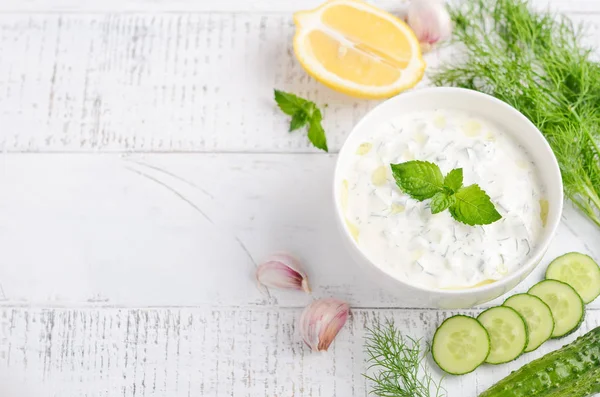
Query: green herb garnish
column 423, row 180
column 535, row 62
column 396, row 364
column 303, row 112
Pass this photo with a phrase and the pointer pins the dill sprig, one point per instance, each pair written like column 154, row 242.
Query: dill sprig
column 535, row 62
column 396, row 362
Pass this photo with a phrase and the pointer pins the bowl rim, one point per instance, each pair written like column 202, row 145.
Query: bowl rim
column 553, row 216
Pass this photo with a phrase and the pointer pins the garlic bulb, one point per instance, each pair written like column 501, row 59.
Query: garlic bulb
column 284, row 271
column 321, row 321
column 430, row 21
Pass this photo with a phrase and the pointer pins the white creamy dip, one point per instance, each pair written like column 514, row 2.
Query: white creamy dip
column 400, row 234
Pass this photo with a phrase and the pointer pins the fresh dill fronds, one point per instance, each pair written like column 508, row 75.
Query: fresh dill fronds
column 535, row 62
column 396, row 364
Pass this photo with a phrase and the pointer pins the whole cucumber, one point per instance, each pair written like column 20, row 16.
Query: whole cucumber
column 585, row 386
column 571, row 371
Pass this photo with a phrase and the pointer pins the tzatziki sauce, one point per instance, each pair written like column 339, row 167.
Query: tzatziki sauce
column 401, row 235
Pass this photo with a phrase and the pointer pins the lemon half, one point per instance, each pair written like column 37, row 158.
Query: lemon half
column 358, row 49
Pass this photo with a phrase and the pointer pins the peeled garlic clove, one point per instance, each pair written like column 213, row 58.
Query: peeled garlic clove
column 282, row 271
column 430, row 21
column 321, row 321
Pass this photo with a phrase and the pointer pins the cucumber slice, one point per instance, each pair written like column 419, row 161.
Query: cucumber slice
column 579, row 271
column 460, row 345
column 564, row 303
column 508, row 333
column 538, row 318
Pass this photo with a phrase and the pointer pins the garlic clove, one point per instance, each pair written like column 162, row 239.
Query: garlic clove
column 321, row 321
column 430, row 21
column 283, row 271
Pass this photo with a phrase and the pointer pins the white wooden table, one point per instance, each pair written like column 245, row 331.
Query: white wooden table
column 145, row 171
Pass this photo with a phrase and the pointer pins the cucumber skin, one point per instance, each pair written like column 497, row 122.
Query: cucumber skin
column 562, row 256
column 545, row 304
column 486, row 356
column 526, row 335
column 571, row 371
column 587, row 386
column 575, row 328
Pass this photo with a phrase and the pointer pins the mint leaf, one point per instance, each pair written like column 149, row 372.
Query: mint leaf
column 316, row 134
column 454, row 179
column 290, row 104
column 312, row 110
column 474, row 207
column 299, row 120
column 441, row 201
column 421, row 180
column 303, row 112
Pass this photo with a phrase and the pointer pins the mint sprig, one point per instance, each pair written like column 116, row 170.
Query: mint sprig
column 423, row 180
column 303, row 112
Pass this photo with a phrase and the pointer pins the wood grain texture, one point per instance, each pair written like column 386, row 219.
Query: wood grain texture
column 184, row 229
column 205, row 352
column 139, row 265
column 255, row 6
column 169, row 82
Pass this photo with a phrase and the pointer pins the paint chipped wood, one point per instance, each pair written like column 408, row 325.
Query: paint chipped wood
column 200, row 82
column 237, row 6
column 95, row 239
column 206, row 352
column 185, row 229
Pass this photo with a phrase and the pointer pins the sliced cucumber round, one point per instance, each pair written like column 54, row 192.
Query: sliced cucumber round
column 579, row 271
column 538, row 318
column 460, row 345
column 564, row 303
column 508, row 333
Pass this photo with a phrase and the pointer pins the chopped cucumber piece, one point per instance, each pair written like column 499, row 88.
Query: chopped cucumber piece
column 460, row 345
column 579, row 271
column 537, row 315
column 508, row 333
column 564, row 303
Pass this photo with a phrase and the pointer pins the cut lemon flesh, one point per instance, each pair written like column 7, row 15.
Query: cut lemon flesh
column 358, row 49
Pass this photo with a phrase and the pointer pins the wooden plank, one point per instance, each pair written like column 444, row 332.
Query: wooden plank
column 183, row 229
column 206, row 352
column 240, row 6
column 161, row 82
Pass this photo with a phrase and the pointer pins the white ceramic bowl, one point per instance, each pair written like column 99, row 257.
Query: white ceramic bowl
column 514, row 123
